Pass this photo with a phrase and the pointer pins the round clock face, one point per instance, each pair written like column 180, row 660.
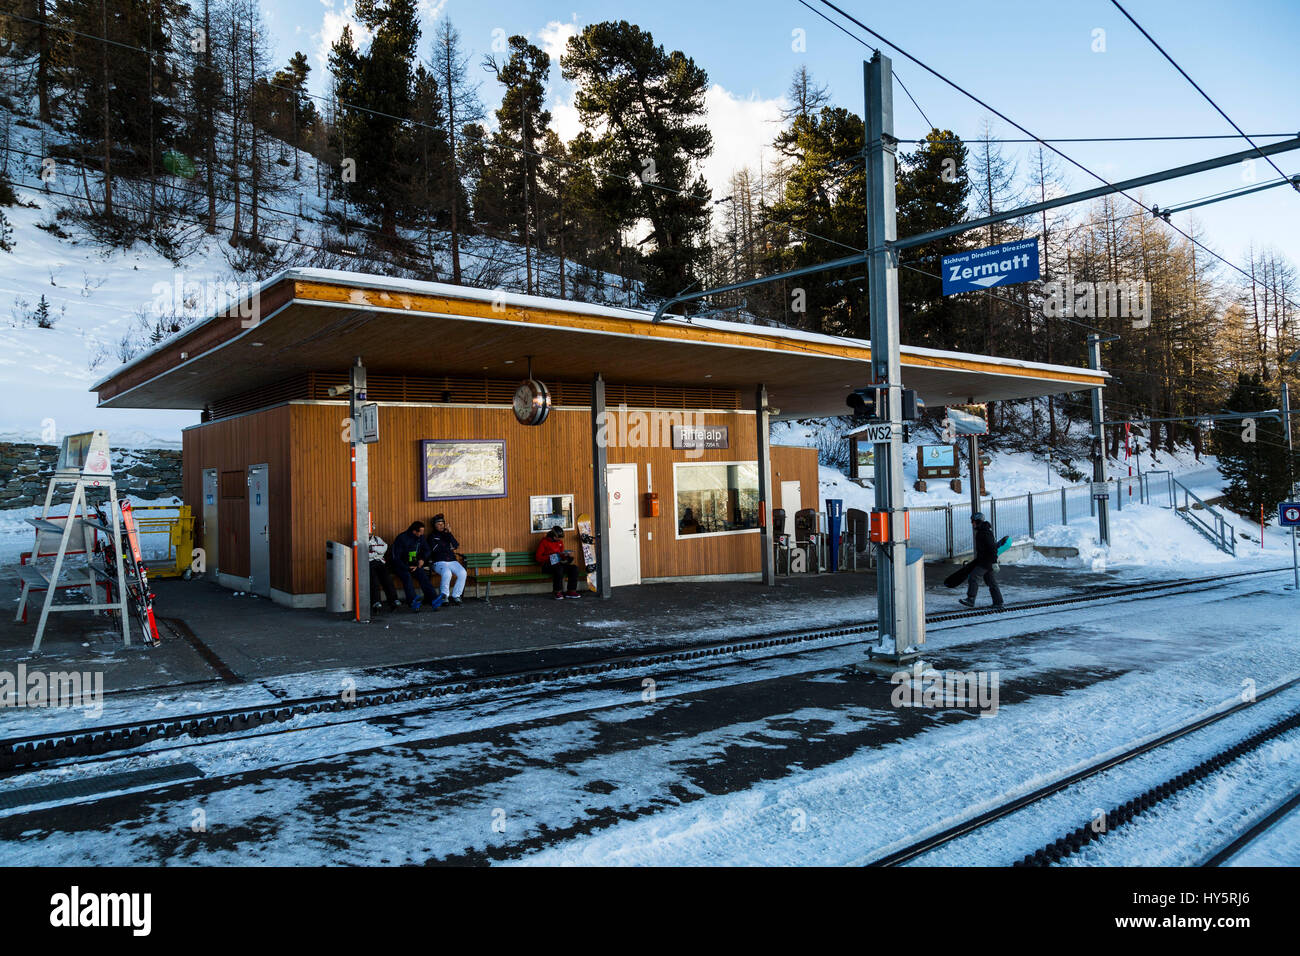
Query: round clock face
column 532, row 402
column 524, row 403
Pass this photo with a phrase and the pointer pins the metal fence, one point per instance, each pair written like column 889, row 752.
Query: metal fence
column 944, row 531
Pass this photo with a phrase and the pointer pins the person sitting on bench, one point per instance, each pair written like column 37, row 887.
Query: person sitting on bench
column 552, row 555
column 379, row 576
column 442, row 545
column 408, row 558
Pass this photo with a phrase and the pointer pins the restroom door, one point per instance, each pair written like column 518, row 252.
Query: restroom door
column 211, row 491
column 259, row 530
column 791, row 501
column 624, row 534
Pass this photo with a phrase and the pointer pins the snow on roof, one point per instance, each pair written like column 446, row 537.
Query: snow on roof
column 521, row 301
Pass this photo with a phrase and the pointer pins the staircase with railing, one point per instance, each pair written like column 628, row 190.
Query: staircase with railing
column 1207, row 520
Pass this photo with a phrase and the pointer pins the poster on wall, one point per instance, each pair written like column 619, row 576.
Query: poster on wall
column 547, row 511
column 462, row 469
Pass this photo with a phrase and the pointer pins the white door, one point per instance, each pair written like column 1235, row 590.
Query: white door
column 259, row 530
column 624, row 534
column 791, row 501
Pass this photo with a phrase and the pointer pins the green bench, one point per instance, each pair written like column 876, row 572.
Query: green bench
column 508, row 566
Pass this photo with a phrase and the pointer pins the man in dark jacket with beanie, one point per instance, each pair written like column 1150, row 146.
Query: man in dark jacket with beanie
column 986, row 556
column 409, row 558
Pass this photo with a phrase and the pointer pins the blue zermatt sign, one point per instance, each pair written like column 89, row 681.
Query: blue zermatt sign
column 1007, row 264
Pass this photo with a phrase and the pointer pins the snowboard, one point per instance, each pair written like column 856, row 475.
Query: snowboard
column 961, row 574
column 588, row 548
column 138, row 579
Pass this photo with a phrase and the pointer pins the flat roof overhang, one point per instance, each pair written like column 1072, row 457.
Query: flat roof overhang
column 311, row 320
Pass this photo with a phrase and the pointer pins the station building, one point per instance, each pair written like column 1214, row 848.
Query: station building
column 665, row 423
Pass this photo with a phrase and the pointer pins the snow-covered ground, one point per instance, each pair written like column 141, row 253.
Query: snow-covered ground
column 723, row 763
column 96, row 299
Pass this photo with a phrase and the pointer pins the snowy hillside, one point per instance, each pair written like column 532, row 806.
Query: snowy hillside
column 104, row 302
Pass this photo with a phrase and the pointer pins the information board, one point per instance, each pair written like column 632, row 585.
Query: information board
column 936, row 461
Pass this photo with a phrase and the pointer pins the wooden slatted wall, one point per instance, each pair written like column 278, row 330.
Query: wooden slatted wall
column 310, row 475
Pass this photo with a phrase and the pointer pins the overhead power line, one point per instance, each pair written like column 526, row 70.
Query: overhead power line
column 1002, row 116
column 1197, row 87
column 1101, row 139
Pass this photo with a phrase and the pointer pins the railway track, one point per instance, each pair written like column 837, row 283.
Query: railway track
column 38, row 751
column 1117, row 816
column 1240, row 841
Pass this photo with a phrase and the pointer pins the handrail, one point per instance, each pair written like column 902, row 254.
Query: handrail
column 1221, row 532
column 1217, row 529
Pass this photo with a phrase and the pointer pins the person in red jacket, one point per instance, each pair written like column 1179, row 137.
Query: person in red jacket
column 552, row 555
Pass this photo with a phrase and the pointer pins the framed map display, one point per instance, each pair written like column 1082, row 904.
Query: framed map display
column 462, row 469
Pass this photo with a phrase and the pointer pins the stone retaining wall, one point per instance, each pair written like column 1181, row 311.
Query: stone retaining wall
column 25, row 472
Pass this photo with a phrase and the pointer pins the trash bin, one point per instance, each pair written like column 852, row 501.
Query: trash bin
column 338, row 576
column 916, row 591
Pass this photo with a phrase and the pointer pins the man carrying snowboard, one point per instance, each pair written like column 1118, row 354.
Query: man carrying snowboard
column 986, row 556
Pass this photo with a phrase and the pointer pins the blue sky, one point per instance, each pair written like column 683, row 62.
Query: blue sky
column 1033, row 61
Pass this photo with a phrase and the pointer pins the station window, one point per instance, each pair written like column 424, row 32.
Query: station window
column 547, row 511
column 716, row 497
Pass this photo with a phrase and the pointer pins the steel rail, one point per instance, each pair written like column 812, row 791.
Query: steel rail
column 29, row 752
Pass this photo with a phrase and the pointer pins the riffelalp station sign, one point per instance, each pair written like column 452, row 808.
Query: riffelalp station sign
column 700, row 437
column 1004, row 264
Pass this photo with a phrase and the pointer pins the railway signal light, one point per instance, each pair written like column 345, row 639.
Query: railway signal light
column 872, row 404
column 868, row 404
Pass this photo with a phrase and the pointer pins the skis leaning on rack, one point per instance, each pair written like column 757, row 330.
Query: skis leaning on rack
column 137, row 578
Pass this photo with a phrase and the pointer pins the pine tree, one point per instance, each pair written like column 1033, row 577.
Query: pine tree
column 429, row 156
column 822, row 210
column 1255, row 472
column 509, row 188
column 287, row 110
column 932, row 191
column 644, row 111
column 114, row 59
column 462, row 109
column 375, row 95
column 41, row 316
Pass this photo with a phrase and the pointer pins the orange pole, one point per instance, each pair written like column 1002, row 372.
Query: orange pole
column 356, row 565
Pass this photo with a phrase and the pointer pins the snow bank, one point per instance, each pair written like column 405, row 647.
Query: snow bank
column 1144, row 535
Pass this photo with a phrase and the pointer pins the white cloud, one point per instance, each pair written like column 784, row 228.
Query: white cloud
column 431, row 9
column 554, row 38
column 332, row 23
column 743, row 130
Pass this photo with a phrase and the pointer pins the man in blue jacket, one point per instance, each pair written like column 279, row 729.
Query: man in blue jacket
column 409, row 558
column 986, row 556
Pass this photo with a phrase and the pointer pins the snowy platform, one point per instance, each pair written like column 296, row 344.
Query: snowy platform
column 232, row 638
